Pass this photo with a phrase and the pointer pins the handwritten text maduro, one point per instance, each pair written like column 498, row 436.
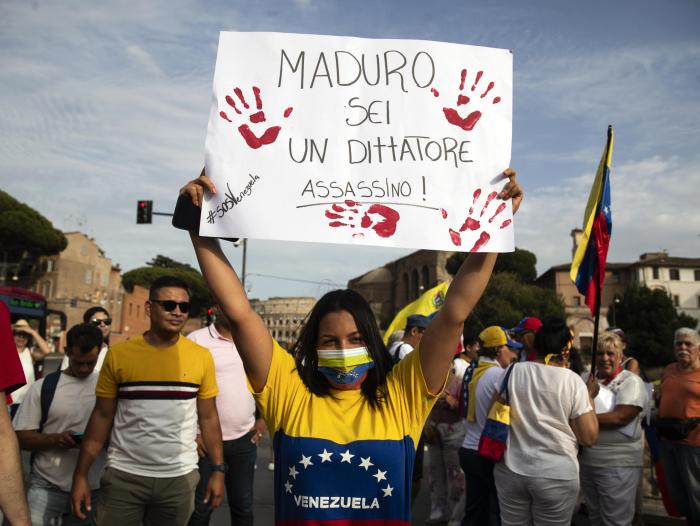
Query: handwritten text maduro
column 231, row 200
column 355, row 503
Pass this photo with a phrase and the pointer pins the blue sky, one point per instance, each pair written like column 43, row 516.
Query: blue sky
column 104, row 103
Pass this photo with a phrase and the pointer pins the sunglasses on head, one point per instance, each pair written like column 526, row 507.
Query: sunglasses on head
column 106, row 321
column 169, row 305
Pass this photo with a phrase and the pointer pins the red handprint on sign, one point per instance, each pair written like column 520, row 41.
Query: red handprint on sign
column 453, row 117
column 380, row 218
column 269, row 136
column 473, row 223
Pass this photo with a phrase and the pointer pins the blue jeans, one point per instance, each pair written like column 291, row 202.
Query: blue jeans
column 50, row 506
column 240, row 455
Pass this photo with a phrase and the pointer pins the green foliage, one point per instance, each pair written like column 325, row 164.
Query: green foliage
column 507, row 300
column 165, row 262
column 200, row 297
column 23, row 229
column 510, row 294
column 649, row 319
column 521, row 262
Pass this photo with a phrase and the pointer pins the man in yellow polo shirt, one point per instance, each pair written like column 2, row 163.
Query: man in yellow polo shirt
column 152, row 392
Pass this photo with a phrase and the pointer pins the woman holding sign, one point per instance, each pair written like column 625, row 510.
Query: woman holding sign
column 344, row 421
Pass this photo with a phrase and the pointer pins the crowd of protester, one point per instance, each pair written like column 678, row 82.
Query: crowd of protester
column 155, row 429
column 573, row 437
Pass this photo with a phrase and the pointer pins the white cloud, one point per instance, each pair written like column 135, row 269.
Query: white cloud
column 144, row 59
column 650, row 210
column 102, row 105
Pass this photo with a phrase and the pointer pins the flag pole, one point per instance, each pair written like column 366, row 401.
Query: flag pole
column 596, row 321
column 599, row 295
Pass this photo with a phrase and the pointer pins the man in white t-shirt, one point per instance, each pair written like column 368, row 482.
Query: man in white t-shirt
column 52, row 427
column 240, row 430
column 413, row 333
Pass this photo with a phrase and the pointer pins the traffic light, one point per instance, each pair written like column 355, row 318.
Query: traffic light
column 144, row 212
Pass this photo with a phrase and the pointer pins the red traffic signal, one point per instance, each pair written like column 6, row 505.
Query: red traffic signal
column 144, row 212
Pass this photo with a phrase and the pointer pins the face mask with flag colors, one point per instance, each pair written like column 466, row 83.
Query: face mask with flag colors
column 344, row 366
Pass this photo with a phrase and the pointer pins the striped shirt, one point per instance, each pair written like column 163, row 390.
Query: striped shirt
column 157, row 390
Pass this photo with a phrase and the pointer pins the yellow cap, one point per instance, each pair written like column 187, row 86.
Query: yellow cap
column 496, row 336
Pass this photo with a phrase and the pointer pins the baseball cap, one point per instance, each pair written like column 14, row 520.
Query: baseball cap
column 417, row 320
column 496, row 336
column 527, row 324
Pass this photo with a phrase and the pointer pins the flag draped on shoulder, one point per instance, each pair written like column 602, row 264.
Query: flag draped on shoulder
column 428, row 303
column 588, row 265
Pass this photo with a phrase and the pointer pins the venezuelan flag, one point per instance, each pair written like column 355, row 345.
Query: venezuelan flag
column 428, row 303
column 588, row 266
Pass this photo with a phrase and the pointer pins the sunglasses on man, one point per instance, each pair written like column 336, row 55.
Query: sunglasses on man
column 106, row 321
column 169, row 305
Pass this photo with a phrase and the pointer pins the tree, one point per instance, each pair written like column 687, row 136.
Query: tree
column 521, row 262
column 649, row 320
column 24, row 236
column 510, row 294
column 200, row 297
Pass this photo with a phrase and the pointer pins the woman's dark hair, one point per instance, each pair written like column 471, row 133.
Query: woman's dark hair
column 552, row 337
column 306, row 357
column 87, row 316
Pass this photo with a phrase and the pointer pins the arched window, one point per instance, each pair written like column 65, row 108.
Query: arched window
column 425, row 278
column 406, row 289
column 415, row 284
column 46, row 288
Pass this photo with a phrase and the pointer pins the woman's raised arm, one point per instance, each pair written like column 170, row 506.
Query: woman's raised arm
column 252, row 339
column 439, row 343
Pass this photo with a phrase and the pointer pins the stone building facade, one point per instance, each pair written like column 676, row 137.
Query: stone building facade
column 679, row 277
column 283, row 316
column 389, row 288
column 78, row 278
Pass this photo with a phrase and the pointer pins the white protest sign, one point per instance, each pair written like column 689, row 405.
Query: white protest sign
column 397, row 143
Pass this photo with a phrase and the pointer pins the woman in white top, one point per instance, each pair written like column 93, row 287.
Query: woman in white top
column 611, row 470
column 551, row 413
column 31, row 348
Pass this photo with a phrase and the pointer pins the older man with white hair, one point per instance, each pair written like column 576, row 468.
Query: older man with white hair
column 679, row 424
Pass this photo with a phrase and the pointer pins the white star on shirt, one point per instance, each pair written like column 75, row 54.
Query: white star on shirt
column 387, row 491
column 366, row 463
column 379, row 475
column 347, row 456
column 306, row 461
column 325, row 456
column 293, row 472
column 288, row 487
